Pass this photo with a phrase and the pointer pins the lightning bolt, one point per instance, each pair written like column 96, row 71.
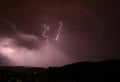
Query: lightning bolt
column 9, row 23
column 59, row 31
column 47, row 28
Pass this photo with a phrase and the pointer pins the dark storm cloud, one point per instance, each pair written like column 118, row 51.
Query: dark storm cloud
column 27, row 40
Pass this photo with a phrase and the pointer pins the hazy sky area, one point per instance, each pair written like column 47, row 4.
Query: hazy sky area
column 57, row 32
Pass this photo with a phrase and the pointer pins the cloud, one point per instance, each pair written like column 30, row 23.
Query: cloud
column 27, row 40
column 20, row 52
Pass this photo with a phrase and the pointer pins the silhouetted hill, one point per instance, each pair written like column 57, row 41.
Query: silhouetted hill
column 105, row 71
column 21, row 69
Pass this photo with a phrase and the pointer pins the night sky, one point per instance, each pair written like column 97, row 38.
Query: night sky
column 29, row 28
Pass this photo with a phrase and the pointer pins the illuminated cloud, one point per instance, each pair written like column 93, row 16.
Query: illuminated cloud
column 47, row 55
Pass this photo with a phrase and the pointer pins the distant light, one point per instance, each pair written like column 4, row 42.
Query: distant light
column 35, row 73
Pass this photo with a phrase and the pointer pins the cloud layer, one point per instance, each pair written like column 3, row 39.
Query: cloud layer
column 31, row 52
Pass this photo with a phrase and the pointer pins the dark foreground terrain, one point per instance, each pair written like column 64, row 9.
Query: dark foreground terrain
column 106, row 71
